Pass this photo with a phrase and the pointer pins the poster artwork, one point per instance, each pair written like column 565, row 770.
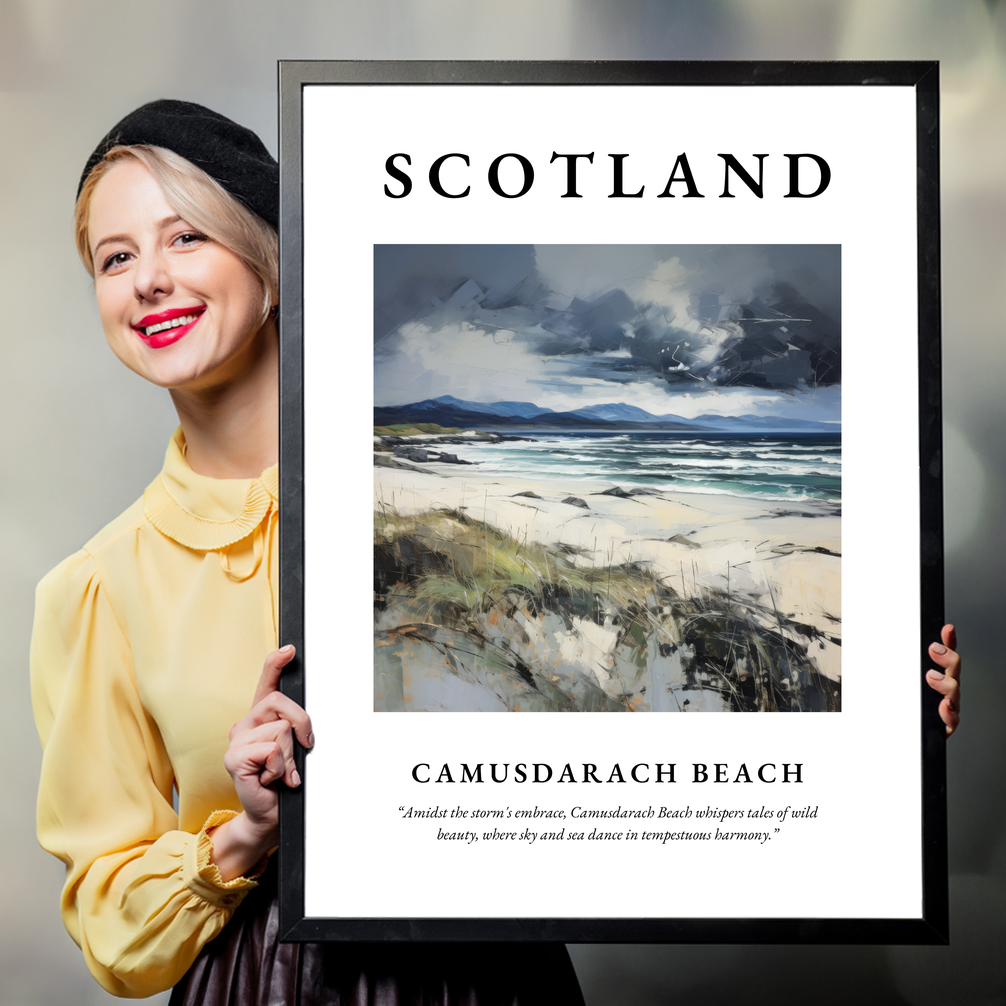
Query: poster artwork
column 629, row 454
column 607, row 478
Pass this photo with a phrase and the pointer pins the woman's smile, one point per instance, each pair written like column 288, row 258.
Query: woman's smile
column 167, row 327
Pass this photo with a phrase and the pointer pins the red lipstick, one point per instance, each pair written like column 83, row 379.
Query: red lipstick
column 166, row 327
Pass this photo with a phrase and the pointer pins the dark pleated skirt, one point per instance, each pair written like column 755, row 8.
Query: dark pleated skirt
column 246, row 965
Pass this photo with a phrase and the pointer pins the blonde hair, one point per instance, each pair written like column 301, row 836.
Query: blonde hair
column 199, row 200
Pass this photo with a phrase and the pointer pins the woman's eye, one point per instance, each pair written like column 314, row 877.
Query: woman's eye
column 190, row 238
column 114, row 261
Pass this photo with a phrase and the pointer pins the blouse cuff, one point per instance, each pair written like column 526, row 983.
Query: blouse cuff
column 202, row 876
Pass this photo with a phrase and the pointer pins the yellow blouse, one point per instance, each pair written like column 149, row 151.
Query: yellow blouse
column 147, row 647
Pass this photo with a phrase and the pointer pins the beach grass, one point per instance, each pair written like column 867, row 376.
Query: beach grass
column 550, row 627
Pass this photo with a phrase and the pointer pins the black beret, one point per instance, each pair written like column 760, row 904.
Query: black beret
column 230, row 154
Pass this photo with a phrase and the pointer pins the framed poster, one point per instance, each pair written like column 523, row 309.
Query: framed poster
column 652, row 356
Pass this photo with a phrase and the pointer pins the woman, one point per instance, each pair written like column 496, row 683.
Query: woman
column 148, row 643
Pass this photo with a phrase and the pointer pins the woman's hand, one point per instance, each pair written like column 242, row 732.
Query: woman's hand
column 260, row 753
column 947, row 682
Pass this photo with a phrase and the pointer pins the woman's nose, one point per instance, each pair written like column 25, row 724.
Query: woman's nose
column 152, row 277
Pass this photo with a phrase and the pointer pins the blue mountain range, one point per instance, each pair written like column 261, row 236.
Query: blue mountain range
column 450, row 411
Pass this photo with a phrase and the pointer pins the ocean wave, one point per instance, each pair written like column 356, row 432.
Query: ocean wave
column 779, row 469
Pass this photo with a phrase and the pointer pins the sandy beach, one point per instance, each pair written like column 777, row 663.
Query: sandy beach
column 782, row 562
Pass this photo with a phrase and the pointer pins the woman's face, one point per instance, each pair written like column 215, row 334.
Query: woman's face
column 177, row 308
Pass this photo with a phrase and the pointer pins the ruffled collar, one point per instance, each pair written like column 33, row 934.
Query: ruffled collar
column 203, row 513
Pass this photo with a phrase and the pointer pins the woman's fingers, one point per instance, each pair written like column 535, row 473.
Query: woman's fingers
column 949, row 712
column 261, row 749
column 949, row 688
column 274, row 766
column 946, row 681
column 270, row 703
column 271, row 671
column 258, row 761
column 277, row 706
column 949, row 636
column 947, row 658
column 944, row 684
column 263, row 740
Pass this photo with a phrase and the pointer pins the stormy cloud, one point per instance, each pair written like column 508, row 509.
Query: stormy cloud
column 673, row 329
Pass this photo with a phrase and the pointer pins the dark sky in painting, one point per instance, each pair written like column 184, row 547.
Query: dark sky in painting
column 673, row 329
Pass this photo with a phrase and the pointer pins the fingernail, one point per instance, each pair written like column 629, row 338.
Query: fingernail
column 938, row 648
column 295, row 777
column 936, row 676
column 287, row 649
column 310, row 740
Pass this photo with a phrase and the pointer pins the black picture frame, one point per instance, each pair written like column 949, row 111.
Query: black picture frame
column 931, row 925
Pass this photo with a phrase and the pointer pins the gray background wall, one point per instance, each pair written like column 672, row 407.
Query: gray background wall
column 82, row 436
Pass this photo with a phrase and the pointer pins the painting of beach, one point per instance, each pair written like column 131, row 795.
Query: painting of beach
column 607, row 478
